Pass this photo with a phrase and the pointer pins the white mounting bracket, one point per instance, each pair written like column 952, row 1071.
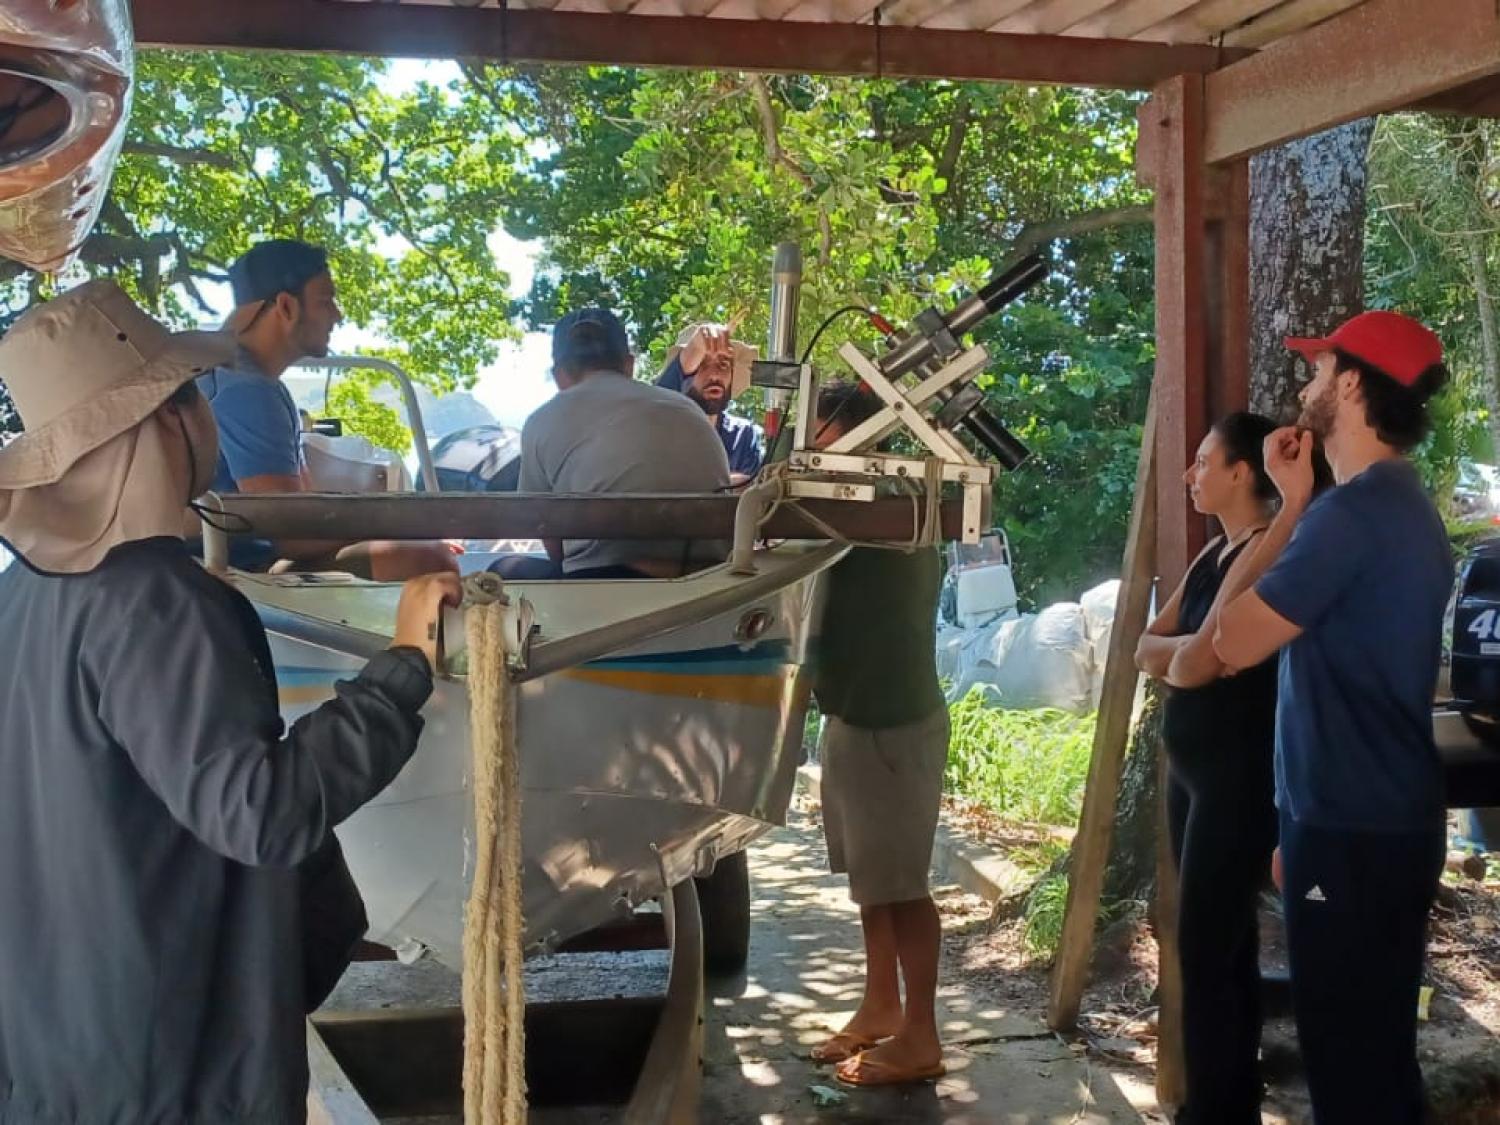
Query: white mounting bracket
column 827, row 472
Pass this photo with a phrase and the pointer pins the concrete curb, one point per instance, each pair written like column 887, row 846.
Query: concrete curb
column 955, row 859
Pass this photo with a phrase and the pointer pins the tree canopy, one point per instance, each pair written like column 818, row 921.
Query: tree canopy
column 662, row 194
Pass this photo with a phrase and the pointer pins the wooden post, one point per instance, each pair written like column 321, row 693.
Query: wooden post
column 1111, row 736
column 1173, row 118
column 1228, row 291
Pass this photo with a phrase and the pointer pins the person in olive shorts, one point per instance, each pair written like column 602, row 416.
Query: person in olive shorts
column 1220, row 735
column 883, row 755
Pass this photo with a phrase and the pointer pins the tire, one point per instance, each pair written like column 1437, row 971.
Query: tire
column 724, row 902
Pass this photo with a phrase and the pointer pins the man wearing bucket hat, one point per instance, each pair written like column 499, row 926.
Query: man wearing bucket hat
column 1351, row 587
column 160, row 833
column 713, row 370
column 286, row 307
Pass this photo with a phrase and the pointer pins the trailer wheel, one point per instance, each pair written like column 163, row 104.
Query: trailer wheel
column 724, row 902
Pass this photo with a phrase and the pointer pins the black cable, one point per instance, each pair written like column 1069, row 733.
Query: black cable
column 817, row 335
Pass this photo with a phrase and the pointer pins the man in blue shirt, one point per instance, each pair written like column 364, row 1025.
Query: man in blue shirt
column 286, row 309
column 712, row 370
column 1352, row 587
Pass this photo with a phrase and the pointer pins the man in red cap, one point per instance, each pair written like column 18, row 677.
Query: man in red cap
column 1351, row 587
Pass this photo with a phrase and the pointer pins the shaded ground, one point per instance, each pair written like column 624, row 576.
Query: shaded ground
column 804, row 981
column 1459, row 1044
column 1004, row 1066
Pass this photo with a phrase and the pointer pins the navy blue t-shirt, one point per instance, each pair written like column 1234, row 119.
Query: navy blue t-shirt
column 742, row 438
column 1366, row 577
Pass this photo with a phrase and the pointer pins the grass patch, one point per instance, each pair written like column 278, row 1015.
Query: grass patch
column 1041, row 926
column 1024, row 765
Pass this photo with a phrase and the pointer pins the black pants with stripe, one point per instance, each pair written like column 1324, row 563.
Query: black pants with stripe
column 1356, row 920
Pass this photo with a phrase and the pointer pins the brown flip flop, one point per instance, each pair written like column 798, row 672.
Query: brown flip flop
column 843, row 1046
column 862, row 1071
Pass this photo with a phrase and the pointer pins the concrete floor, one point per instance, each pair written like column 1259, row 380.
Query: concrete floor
column 804, row 980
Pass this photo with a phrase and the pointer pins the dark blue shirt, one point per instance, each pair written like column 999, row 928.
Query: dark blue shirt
column 1366, row 577
column 741, row 437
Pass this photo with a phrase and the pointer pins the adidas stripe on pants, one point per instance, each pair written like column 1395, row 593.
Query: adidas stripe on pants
column 1356, row 919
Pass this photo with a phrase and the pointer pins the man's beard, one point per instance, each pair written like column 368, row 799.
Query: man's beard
column 1318, row 414
column 706, row 405
column 309, row 345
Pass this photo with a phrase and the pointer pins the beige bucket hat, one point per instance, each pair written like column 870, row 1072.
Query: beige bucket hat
column 83, row 369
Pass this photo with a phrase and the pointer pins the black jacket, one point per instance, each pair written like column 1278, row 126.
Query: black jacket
column 160, row 834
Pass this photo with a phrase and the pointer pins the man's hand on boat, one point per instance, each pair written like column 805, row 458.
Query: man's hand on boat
column 417, row 614
column 395, row 560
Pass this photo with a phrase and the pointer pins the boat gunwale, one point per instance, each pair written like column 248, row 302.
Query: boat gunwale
column 547, row 657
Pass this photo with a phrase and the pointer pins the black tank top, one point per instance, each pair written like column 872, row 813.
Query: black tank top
column 1233, row 714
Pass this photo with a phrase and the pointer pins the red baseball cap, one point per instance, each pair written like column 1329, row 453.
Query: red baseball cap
column 1401, row 347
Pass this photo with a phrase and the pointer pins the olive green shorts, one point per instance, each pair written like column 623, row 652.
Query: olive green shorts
column 881, row 792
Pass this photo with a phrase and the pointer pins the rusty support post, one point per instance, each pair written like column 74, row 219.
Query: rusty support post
column 1173, row 118
column 1228, row 292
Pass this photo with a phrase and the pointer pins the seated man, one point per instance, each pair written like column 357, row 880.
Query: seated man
column 285, row 311
column 606, row 432
column 712, row 370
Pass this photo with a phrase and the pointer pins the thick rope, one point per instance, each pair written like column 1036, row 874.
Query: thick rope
column 494, row 1071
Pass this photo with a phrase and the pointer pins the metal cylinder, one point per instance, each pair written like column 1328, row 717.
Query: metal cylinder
column 786, row 296
column 915, row 349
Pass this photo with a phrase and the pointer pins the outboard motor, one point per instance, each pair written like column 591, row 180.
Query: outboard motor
column 1475, row 668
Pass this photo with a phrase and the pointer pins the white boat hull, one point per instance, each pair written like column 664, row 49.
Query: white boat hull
column 638, row 769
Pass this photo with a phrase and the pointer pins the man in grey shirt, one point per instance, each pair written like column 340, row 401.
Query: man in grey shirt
column 605, row 432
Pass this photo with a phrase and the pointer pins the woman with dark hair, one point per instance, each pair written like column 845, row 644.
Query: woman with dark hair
column 1220, row 735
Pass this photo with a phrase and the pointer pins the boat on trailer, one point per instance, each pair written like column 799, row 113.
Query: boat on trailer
column 660, row 725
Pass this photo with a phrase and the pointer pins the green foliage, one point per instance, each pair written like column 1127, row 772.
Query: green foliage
column 662, row 193
column 1432, row 224
column 1042, row 924
column 404, row 188
column 1025, row 765
column 1463, row 534
column 350, row 400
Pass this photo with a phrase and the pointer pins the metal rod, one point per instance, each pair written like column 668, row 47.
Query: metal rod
column 519, row 515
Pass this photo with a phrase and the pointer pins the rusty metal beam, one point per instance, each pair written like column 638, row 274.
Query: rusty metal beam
column 518, row 515
column 426, row 31
column 1382, row 55
column 1476, row 99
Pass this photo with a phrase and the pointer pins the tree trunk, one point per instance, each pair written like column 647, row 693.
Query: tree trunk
column 1307, row 239
column 1132, row 856
column 1479, row 272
